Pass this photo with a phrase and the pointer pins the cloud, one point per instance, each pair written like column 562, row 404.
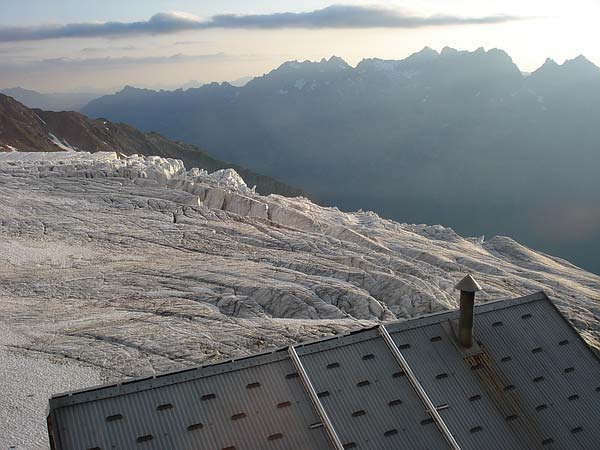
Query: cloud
column 105, row 49
column 192, row 42
column 336, row 16
column 13, row 49
column 347, row 16
column 111, row 61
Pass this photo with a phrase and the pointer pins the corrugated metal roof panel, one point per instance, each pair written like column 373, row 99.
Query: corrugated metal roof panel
column 470, row 411
column 523, row 390
column 531, row 382
column 367, row 396
column 258, row 407
column 554, row 372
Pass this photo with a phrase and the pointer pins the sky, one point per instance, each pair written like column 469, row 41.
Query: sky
column 100, row 46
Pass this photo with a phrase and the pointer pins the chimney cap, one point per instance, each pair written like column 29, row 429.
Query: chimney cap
column 468, row 284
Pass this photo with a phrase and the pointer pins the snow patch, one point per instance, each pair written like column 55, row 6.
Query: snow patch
column 299, row 84
column 63, row 145
column 409, row 74
column 39, row 118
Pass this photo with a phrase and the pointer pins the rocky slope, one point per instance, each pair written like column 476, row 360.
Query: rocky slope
column 115, row 267
column 33, row 130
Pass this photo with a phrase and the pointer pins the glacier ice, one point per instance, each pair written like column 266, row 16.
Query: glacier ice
column 121, row 266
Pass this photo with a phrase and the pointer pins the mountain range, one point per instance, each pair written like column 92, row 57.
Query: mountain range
column 454, row 137
column 34, row 130
column 59, row 101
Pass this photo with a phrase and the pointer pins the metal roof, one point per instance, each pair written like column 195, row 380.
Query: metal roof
column 250, row 402
column 530, row 382
column 367, row 395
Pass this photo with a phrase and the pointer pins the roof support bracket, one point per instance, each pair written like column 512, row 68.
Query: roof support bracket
column 429, row 406
column 314, row 398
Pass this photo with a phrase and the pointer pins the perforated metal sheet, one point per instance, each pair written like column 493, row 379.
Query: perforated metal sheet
column 367, row 396
column 533, row 386
column 532, row 383
column 262, row 406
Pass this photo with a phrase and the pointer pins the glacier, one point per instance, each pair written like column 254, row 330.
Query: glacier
column 116, row 266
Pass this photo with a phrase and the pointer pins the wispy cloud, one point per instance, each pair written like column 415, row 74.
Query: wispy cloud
column 12, row 49
column 105, row 49
column 111, row 61
column 336, row 16
column 192, row 42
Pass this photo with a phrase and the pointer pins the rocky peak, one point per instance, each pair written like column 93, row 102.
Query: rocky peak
column 549, row 63
column 448, row 51
column 337, row 62
column 375, row 65
column 425, row 55
column 582, row 66
column 572, row 71
column 129, row 90
column 22, row 128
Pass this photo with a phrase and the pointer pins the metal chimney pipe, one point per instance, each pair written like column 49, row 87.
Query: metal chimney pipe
column 467, row 287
